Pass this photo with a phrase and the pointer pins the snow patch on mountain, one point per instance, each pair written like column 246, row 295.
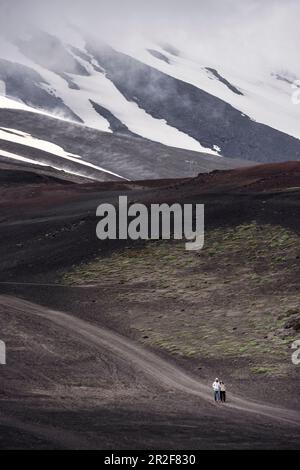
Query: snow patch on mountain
column 95, row 86
column 13, row 156
column 19, row 137
column 102, row 91
column 23, row 138
column 8, row 103
column 263, row 97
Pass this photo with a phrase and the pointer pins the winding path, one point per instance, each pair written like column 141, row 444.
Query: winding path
column 166, row 374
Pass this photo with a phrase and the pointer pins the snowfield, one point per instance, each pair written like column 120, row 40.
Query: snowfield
column 9, row 103
column 262, row 95
column 265, row 98
column 98, row 88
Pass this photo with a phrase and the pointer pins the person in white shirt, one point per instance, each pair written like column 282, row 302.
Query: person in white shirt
column 216, row 388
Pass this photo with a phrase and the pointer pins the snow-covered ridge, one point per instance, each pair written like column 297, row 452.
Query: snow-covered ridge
column 265, row 95
column 96, row 86
column 156, row 92
column 22, row 138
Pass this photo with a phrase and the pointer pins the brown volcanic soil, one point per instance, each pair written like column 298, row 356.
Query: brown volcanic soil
column 256, row 178
column 34, row 189
column 220, row 311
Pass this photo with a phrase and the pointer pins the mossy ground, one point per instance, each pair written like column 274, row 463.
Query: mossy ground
column 229, row 300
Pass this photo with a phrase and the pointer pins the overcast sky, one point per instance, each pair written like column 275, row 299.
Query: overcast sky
column 258, row 32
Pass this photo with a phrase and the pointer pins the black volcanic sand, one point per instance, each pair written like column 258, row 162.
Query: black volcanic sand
column 58, row 390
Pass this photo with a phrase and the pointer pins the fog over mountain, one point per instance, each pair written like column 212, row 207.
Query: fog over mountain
column 215, row 79
column 267, row 30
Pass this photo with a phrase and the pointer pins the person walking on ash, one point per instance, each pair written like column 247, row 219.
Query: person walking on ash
column 217, row 389
column 222, row 391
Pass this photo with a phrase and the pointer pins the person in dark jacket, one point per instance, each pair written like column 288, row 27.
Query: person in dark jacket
column 222, row 391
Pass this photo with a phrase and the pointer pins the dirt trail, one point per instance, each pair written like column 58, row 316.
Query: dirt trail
column 166, row 374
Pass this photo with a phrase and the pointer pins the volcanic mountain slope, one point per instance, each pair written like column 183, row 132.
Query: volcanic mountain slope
column 28, row 138
column 156, row 92
column 132, row 334
column 211, row 121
